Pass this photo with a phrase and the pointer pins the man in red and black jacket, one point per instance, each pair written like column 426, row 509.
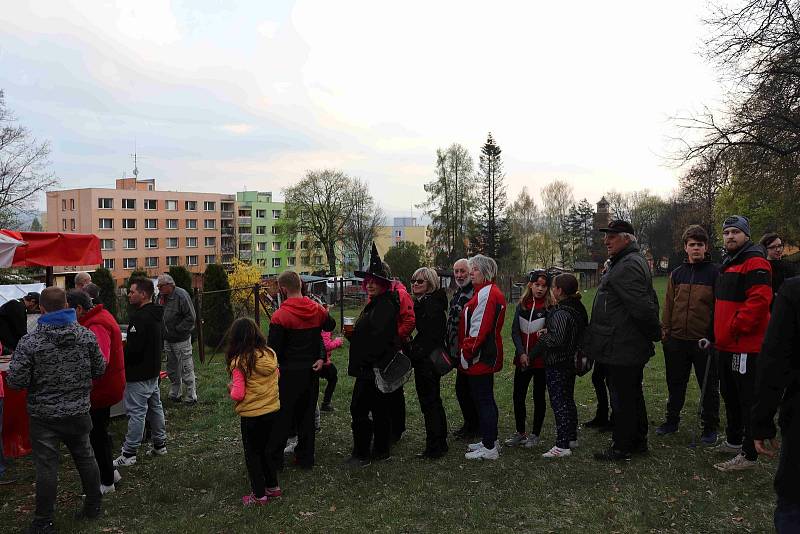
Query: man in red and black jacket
column 294, row 335
column 741, row 313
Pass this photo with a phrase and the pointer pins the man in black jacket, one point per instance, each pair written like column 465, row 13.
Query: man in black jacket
column 623, row 327
column 779, row 378
column 142, row 369
column 14, row 321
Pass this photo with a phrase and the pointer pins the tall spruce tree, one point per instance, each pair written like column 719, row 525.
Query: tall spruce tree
column 494, row 231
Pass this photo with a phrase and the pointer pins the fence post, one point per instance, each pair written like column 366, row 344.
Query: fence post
column 341, row 305
column 257, row 313
column 198, row 309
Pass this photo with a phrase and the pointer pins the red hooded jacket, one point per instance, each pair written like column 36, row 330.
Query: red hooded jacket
column 480, row 331
column 294, row 333
column 109, row 388
column 406, row 322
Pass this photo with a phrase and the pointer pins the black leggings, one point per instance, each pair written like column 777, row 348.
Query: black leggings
column 329, row 373
column 522, row 379
column 256, row 433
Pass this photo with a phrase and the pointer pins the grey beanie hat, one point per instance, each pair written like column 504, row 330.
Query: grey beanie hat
column 737, row 221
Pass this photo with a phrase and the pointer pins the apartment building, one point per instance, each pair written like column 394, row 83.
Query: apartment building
column 142, row 227
column 402, row 229
column 260, row 241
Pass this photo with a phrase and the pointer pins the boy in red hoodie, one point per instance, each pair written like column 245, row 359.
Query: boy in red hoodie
column 294, row 335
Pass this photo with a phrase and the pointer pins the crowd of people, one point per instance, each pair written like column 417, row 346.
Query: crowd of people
column 737, row 324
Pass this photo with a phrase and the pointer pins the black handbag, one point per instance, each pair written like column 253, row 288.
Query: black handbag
column 442, row 362
column 394, row 374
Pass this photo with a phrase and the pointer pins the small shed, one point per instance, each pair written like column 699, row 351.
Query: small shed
column 587, row 273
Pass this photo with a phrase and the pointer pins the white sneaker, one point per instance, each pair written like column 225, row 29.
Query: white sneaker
column 107, row 489
column 737, row 463
column 517, row 438
column 479, row 445
column 532, row 441
column 727, row 448
column 161, row 451
column 484, row 454
column 573, row 444
column 124, row 461
column 290, row 445
column 557, row 452
column 117, row 476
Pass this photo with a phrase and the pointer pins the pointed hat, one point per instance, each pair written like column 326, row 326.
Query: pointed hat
column 375, row 267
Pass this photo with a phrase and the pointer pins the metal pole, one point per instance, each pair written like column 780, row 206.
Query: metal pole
column 257, row 315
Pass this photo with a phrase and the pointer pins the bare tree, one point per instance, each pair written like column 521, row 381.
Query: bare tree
column 23, row 166
column 524, row 218
column 363, row 225
column 320, row 205
column 556, row 201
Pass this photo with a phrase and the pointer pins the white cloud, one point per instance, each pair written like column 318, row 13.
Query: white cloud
column 238, row 129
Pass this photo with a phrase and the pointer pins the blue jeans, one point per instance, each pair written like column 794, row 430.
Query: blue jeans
column 787, row 517
column 143, row 401
column 482, row 390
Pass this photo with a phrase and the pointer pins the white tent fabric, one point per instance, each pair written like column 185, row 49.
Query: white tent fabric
column 7, row 247
column 18, row 291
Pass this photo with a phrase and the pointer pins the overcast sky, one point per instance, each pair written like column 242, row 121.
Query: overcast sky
column 226, row 95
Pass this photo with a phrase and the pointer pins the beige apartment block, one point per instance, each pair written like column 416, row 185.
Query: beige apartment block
column 402, row 229
column 142, row 227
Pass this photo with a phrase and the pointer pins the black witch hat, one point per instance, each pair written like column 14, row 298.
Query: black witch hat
column 376, row 268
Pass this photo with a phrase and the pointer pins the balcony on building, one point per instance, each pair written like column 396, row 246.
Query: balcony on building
column 245, row 237
column 227, row 230
column 245, row 255
column 245, row 221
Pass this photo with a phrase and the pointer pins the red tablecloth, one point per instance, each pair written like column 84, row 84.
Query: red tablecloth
column 16, row 437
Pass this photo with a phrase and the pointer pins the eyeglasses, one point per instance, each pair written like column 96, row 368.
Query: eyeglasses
column 417, row 281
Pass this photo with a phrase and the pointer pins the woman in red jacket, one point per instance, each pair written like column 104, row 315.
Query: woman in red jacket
column 109, row 388
column 480, row 342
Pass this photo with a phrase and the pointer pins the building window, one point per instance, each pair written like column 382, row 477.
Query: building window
column 72, row 204
column 151, row 204
column 106, row 244
column 291, row 261
column 261, row 247
column 129, row 203
column 191, row 205
column 171, row 224
column 261, row 261
column 261, row 214
column 172, row 260
column 171, row 205
column 303, row 245
column 172, row 242
column 276, row 262
column 276, row 214
column 64, row 224
column 129, row 243
column 129, row 224
column 150, row 242
column 304, row 260
column 209, row 242
column 128, row 263
column 151, row 224
column 109, row 264
column 191, row 224
column 276, row 246
column 210, row 224
column 261, row 230
column 191, row 260
column 72, row 224
column 317, row 244
column 209, row 206
column 105, row 203
column 106, row 224
column 63, row 204
column 191, row 242
column 274, row 230
column 209, row 259
column 151, row 261
column 317, row 260
column 290, row 245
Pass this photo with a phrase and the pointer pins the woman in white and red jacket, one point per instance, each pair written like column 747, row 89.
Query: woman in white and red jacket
column 480, row 342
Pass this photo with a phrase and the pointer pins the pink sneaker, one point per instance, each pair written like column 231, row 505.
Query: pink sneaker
column 273, row 493
column 252, row 500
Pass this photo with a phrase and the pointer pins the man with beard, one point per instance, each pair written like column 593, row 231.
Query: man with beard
column 463, row 294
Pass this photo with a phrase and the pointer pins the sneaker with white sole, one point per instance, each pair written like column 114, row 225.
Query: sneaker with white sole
column 484, row 454
column 727, row 448
column 532, row 441
column 573, row 444
column 290, row 446
column 475, row 446
column 737, row 463
column 557, row 452
column 107, row 489
column 516, row 439
column 124, row 461
column 157, row 451
column 117, row 476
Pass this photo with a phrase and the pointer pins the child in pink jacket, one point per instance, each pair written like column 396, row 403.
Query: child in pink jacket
column 328, row 371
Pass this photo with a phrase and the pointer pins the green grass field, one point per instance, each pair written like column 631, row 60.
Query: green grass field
column 198, row 486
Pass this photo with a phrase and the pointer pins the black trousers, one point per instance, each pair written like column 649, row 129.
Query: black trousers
column 397, row 413
column 256, row 432
column 329, row 373
column 366, row 400
column 522, row 380
column 298, row 391
column 467, row 405
column 679, row 357
column 627, row 401
column 737, row 391
column 101, row 444
column 427, row 383
column 601, row 387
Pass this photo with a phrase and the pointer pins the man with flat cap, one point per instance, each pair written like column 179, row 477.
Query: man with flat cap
column 622, row 330
column 179, row 320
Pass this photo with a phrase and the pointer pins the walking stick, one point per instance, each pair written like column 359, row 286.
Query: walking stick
column 709, row 357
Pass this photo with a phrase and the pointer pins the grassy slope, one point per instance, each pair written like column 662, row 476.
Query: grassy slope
column 197, row 487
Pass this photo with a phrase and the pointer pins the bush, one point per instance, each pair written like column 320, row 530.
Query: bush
column 182, row 277
column 403, row 259
column 136, row 273
column 108, row 290
column 217, row 311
